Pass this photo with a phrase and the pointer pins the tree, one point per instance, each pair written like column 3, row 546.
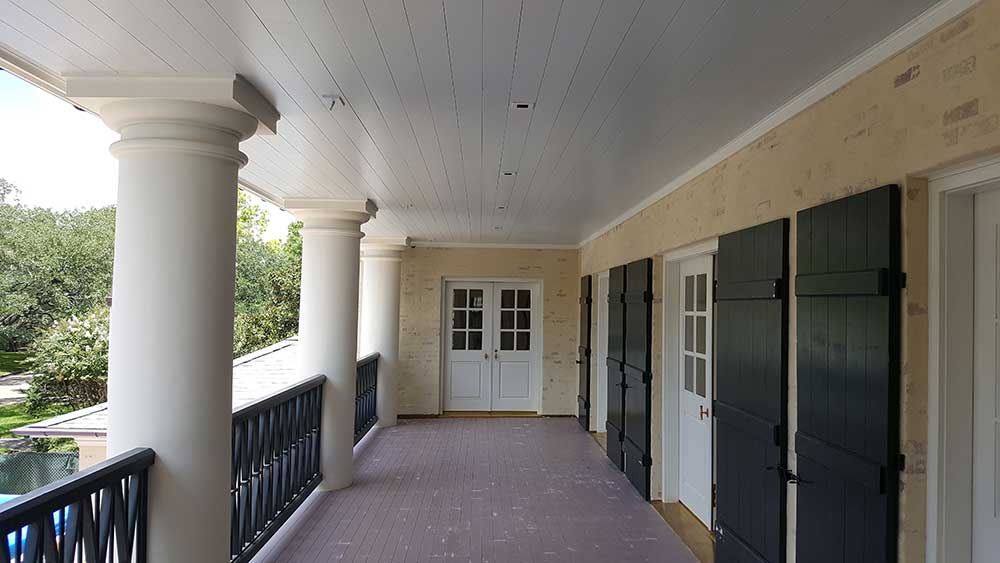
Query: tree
column 8, row 192
column 53, row 265
column 70, row 361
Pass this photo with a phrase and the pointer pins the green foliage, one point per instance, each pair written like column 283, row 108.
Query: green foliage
column 70, row 362
column 268, row 276
column 13, row 362
column 17, row 415
column 53, row 264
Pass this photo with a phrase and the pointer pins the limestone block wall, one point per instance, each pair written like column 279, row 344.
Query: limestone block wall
column 423, row 273
column 934, row 104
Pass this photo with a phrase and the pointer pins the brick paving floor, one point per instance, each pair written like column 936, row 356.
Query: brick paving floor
column 479, row 490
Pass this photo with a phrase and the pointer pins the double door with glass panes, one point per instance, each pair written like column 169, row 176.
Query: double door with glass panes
column 491, row 351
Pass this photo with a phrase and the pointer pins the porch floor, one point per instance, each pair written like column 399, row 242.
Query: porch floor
column 479, row 490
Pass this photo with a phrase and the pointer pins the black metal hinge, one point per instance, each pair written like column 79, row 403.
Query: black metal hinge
column 901, row 462
column 902, row 280
column 715, row 495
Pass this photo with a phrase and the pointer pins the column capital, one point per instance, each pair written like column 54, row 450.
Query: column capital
column 332, row 216
column 231, row 91
column 385, row 248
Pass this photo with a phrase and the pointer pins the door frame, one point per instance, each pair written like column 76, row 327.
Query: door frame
column 538, row 342
column 599, row 345
column 671, row 368
column 951, row 257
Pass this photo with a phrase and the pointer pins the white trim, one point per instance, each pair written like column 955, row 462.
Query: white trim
column 516, row 246
column 670, row 368
column 708, row 246
column 949, row 200
column 914, row 30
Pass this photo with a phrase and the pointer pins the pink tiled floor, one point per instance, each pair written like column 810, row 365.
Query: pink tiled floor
column 475, row 489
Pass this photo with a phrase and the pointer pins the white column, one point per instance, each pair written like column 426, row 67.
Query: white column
column 380, row 318
column 328, row 321
column 170, row 385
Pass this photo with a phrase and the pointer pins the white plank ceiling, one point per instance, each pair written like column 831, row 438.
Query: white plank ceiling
column 622, row 96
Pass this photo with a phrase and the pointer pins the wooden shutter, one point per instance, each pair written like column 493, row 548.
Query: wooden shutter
column 583, row 353
column 616, row 365
column 751, row 393
column 847, row 445
column 638, row 372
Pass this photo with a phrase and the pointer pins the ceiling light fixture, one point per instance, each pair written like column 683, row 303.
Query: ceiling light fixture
column 335, row 100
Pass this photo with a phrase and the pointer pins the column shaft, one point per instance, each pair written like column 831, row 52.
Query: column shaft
column 380, row 322
column 170, row 365
column 328, row 326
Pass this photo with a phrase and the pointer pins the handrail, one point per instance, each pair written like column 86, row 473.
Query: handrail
column 368, row 358
column 276, row 398
column 365, row 398
column 100, row 510
column 276, row 463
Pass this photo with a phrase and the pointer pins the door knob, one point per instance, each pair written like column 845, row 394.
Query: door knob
column 703, row 413
column 486, row 355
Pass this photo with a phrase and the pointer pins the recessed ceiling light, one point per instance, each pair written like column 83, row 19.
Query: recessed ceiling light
column 522, row 105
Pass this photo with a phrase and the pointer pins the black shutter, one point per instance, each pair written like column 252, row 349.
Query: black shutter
column 848, row 299
column 616, row 365
column 583, row 353
column 638, row 372
column 751, row 394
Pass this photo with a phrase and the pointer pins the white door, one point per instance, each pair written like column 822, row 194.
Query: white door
column 695, row 356
column 601, row 369
column 514, row 349
column 491, row 349
column 468, row 345
column 986, row 406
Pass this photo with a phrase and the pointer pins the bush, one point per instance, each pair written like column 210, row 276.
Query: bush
column 70, row 361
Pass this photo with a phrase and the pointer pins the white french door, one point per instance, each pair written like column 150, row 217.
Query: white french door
column 696, row 387
column 986, row 405
column 491, row 354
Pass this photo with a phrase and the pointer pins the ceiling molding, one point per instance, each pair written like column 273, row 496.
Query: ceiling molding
column 910, row 33
column 493, row 245
column 33, row 74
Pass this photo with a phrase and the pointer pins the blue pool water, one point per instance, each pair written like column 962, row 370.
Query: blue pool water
column 24, row 531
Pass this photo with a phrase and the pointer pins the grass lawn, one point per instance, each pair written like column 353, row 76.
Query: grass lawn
column 12, row 362
column 14, row 416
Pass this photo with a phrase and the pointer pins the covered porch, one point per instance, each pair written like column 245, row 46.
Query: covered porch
column 712, row 231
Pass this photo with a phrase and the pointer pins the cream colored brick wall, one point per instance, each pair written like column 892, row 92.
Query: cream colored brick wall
column 934, row 104
column 423, row 273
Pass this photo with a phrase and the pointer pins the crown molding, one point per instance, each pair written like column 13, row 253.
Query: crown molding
column 911, row 32
column 494, row 245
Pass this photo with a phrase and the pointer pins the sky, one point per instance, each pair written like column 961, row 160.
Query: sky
column 58, row 156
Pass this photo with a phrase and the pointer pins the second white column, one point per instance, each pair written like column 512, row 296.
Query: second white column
column 328, row 321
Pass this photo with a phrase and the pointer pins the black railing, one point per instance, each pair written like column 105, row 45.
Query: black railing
column 98, row 514
column 276, row 463
column 365, row 415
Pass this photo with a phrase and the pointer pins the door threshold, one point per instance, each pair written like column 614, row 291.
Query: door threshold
column 692, row 531
column 489, row 414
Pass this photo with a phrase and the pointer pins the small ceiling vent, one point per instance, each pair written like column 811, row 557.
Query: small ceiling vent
column 507, row 174
column 522, row 105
